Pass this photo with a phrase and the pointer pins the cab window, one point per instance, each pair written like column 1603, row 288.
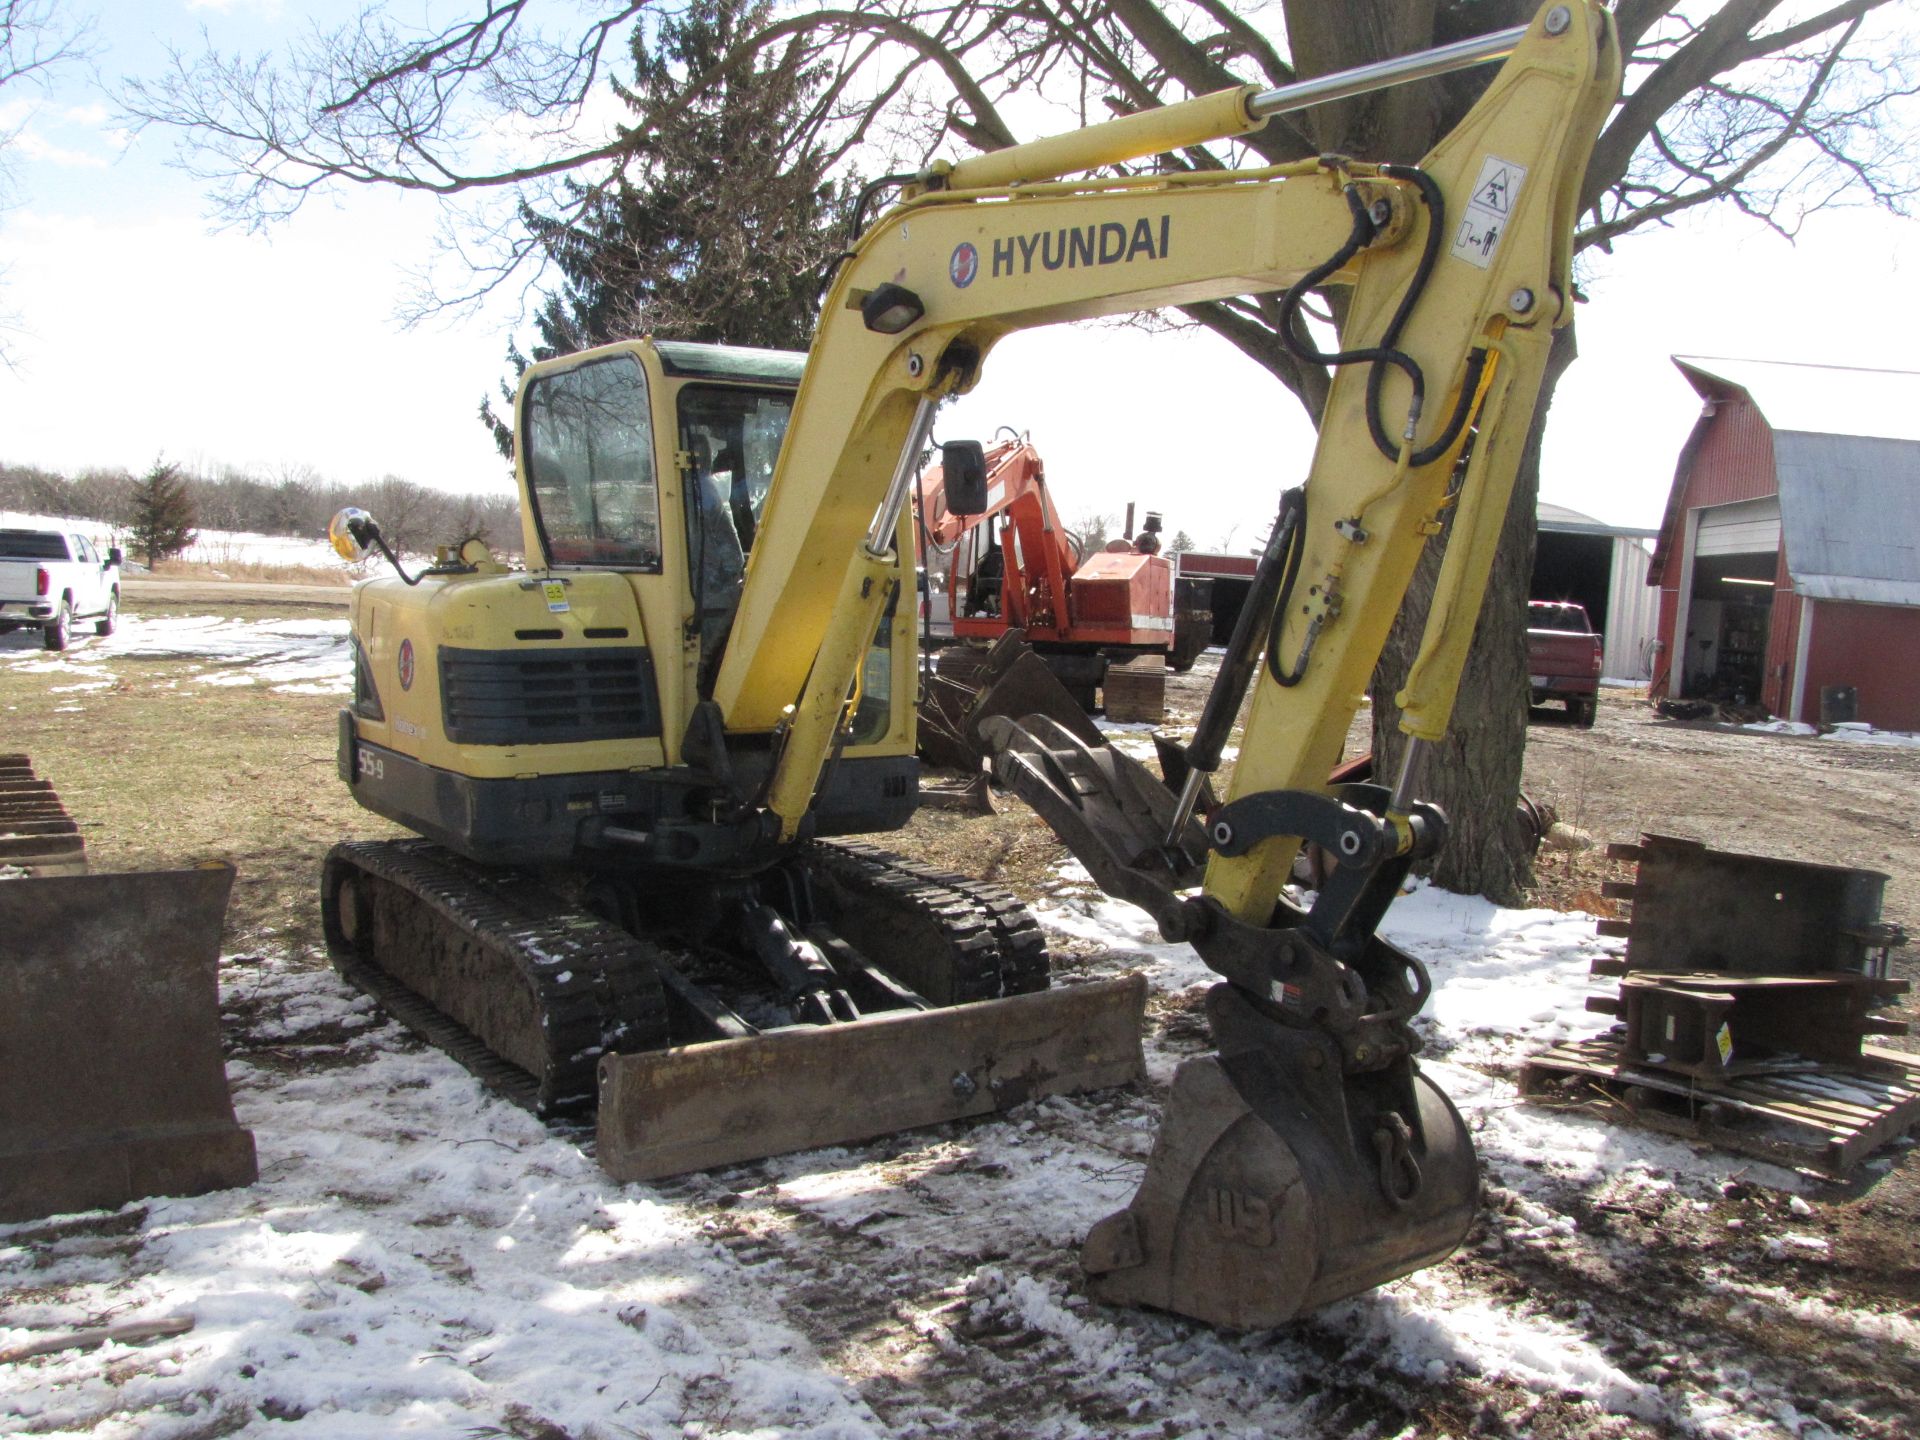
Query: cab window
column 588, row 442
column 731, row 438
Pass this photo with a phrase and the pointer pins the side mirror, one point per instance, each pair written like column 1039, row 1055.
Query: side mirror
column 352, row 532
column 115, row 555
column 963, row 467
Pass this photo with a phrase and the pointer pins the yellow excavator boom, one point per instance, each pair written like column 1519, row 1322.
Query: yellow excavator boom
column 1017, row 248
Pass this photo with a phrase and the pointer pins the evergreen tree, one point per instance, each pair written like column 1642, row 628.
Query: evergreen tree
column 1180, row 544
column 714, row 228
column 163, row 514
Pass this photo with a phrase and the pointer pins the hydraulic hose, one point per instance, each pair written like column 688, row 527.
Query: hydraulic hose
column 1279, row 563
column 1386, row 352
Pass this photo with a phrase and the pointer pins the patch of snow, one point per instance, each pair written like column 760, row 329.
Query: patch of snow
column 1860, row 733
column 305, row 657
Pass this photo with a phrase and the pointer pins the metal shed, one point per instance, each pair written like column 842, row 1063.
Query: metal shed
column 1603, row 568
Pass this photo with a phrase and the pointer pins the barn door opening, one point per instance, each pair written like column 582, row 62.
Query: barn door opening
column 1730, row 609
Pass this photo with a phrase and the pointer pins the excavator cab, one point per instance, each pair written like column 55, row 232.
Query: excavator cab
column 601, row 912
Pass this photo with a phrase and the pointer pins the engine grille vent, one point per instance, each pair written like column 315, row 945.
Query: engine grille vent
column 548, row 697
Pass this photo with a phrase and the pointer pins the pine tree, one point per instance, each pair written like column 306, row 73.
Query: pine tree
column 163, row 515
column 713, row 230
column 1180, row 544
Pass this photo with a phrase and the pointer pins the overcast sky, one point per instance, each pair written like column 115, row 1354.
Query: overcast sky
column 136, row 329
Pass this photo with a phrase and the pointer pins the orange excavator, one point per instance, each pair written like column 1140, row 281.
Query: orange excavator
column 1105, row 624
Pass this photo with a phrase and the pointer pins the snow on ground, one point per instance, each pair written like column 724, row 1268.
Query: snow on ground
column 1856, row 732
column 442, row 1263
column 300, row 657
column 421, row 1258
column 210, row 547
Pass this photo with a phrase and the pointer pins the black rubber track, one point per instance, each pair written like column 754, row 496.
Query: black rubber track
column 591, row 987
column 1023, row 962
column 564, row 986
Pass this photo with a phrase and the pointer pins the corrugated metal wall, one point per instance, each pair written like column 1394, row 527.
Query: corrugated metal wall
column 1732, row 461
column 1735, row 460
column 1633, row 614
column 1783, row 640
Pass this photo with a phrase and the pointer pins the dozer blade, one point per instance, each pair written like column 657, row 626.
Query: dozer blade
column 1275, row 1185
column 112, row 1085
column 700, row 1106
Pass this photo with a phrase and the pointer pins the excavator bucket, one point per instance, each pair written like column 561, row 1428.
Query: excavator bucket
column 1274, row 1188
column 112, row 1085
column 1291, row 1169
column 698, row 1106
column 971, row 687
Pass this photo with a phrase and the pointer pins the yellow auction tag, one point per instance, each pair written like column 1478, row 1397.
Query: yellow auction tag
column 1724, row 1041
column 556, row 593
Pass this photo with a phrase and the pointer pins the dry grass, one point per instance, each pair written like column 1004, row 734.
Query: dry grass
column 255, row 570
column 160, row 771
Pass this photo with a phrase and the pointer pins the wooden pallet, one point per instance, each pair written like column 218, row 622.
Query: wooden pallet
column 36, row 833
column 1824, row 1118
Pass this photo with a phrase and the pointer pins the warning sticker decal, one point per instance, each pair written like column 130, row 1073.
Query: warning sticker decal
column 1481, row 226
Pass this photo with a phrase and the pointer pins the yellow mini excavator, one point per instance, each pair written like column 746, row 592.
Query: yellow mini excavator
column 629, row 762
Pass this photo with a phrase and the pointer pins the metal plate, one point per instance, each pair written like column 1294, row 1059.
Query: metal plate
column 112, row 1084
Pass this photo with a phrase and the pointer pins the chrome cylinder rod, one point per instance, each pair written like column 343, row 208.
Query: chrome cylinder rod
column 887, row 519
column 1407, row 786
column 1401, row 70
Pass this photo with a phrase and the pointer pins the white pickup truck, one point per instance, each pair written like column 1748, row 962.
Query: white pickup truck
column 49, row 579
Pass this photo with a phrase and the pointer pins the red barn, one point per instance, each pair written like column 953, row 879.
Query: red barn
column 1789, row 559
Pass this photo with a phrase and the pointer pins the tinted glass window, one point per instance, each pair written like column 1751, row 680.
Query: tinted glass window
column 1545, row 615
column 589, row 449
column 732, row 439
column 32, row 545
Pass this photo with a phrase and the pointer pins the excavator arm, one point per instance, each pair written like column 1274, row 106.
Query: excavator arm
column 1461, row 265
column 1308, row 1158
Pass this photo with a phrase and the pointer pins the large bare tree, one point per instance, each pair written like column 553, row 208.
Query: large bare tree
column 1778, row 109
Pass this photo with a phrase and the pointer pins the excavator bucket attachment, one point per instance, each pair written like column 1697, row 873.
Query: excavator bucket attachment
column 112, row 1085
column 698, row 1106
column 1273, row 1188
column 1293, row 1167
column 971, row 687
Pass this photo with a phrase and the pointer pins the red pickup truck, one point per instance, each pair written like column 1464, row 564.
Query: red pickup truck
column 1563, row 657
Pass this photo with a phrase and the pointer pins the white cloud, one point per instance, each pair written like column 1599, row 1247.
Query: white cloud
column 37, row 148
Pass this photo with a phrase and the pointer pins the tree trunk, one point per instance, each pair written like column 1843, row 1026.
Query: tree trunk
column 1473, row 775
